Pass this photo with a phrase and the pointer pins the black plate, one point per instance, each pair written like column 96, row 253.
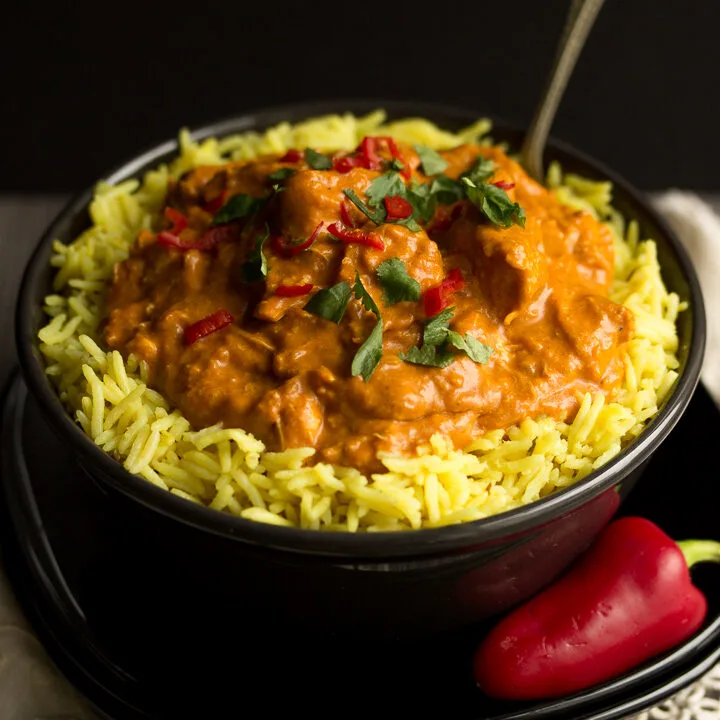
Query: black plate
column 131, row 631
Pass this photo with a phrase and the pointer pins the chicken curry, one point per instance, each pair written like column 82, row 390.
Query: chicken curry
column 362, row 302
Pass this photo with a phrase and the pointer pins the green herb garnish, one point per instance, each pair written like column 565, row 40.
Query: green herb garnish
column 423, row 200
column 446, row 190
column 395, row 164
column 428, row 355
column 481, row 171
column 377, row 215
column 495, row 204
column 316, row 160
column 474, row 349
column 437, row 340
column 255, row 267
column 398, row 286
column 432, row 162
column 409, row 222
column 369, row 353
column 434, row 351
column 282, row 174
column 330, row 303
column 364, row 296
column 436, row 327
column 237, row 207
column 423, row 197
column 390, row 183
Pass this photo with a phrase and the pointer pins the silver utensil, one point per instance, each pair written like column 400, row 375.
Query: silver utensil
column 577, row 27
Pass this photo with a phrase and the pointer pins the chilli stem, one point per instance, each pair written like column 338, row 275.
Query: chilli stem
column 696, row 551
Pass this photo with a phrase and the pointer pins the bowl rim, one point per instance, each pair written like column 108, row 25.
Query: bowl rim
column 376, row 545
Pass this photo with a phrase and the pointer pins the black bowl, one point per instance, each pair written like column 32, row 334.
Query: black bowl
column 389, row 584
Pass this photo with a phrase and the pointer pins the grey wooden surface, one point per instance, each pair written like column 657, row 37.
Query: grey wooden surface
column 22, row 222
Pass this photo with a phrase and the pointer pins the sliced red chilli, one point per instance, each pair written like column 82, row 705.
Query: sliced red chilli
column 292, row 156
column 345, row 215
column 436, row 299
column 290, row 249
column 398, row 208
column 406, row 172
column 354, row 236
column 212, row 206
column 208, row 325
column 207, row 241
column 293, row 290
column 346, row 163
column 178, row 220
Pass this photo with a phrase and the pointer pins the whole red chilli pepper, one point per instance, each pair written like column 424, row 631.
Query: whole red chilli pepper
column 629, row 598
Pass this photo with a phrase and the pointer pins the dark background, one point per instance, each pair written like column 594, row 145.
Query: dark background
column 84, row 86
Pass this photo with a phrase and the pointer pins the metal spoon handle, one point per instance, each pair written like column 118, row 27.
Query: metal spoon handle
column 580, row 20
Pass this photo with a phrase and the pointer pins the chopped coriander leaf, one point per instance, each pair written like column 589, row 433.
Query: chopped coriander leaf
column 410, row 223
column 436, row 328
column 377, row 215
column 419, row 196
column 398, row 286
column 282, row 174
column 474, row 349
column 434, row 351
column 481, row 171
column 237, row 207
column 316, row 160
column 392, row 185
column 428, row 355
column 369, row 353
column 422, row 200
column 446, row 190
column 255, row 267
column 364, row 296
column 330, row 303
column 437, row 337
column 388, row 184
column 495, row 204
column 395, row 164
column 432, row 163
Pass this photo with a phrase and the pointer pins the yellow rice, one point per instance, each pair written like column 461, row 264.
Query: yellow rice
column 229, row 469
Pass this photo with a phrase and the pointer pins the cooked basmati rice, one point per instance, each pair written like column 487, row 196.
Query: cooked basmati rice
column 228, row 469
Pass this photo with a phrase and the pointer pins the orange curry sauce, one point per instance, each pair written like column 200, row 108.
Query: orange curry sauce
column 538, row 296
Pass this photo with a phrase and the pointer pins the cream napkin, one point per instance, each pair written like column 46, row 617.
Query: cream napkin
column 32, row 689
column 697, row 225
